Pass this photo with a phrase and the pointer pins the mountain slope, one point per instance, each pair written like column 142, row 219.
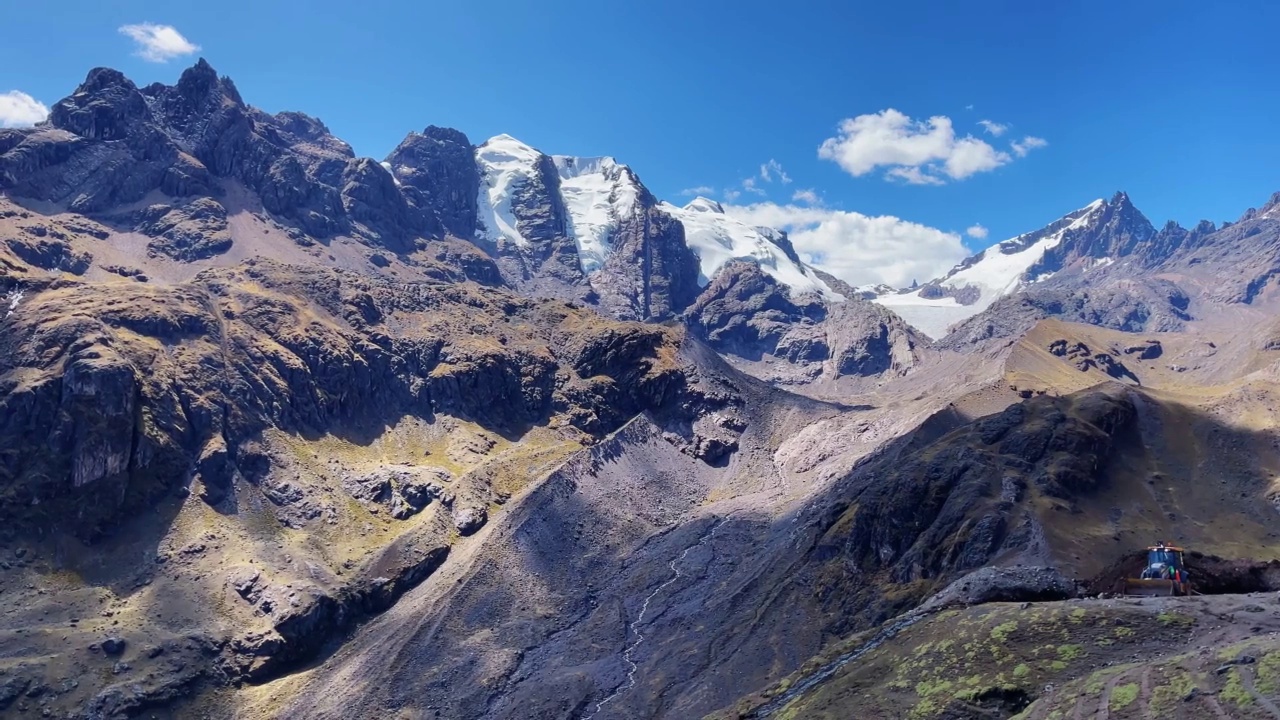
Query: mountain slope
column 1178, row 442
column 1003, row 269
column 1178, row 279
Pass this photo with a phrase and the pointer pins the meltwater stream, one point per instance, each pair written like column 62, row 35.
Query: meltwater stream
column 634, row 627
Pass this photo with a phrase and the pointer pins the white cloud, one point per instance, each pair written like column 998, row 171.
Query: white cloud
column 968, row 107
column 857, row 248
column 914, row 176
column 970, row 156
column 993, row 127
column 732, row 195
column 704, row 190
column 18, row 109
column 1027, row 144
column 750, row 186
column 976, row 231
column 772, row 170
column 917, row 152
column 807, row 196
column 158, row 43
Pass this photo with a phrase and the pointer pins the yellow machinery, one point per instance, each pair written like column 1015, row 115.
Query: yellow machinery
column 1165, row 574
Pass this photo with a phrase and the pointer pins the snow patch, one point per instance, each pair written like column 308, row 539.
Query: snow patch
column 717, row 239
column 598, row 194
column 387, row 166
column 505, row 164
column 14, row 297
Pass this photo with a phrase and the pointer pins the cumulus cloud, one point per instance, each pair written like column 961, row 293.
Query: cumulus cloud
column 993, row 127
column 18, row 109
column 807, row 196
column 857, row 248
column 703, row 190
column 158, row 43
column 1026, row 145
column 916, row 152
column 772, row 170
column 976, row 231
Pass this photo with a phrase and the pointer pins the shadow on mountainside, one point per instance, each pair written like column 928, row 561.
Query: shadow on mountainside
column 1078, row 482
column 1052, row 480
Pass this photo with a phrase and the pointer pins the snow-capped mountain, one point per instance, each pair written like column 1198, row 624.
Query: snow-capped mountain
column 1094, row 236
column 603, row 228
column 717, row 238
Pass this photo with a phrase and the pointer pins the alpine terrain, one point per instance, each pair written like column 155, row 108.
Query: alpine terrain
column 477, row 431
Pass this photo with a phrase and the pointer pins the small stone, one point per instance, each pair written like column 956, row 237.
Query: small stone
column 113, row 646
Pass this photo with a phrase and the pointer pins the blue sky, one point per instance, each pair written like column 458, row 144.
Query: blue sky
column 1174, row 102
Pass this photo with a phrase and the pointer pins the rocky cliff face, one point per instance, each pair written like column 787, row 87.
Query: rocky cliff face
column 437, row 171
column 748, row 314
column 651, row 274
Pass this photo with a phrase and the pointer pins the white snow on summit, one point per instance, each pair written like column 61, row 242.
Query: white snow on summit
column 995, row 272
column 717, row 238
column 598, row 193
column 505, row 163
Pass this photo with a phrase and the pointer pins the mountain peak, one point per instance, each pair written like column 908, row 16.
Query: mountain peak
column 444, row 134
column 505, row 140
column 201, row 80
column 1271, row 210
column 1121, row 198
column 705, row 204
column 101, row 78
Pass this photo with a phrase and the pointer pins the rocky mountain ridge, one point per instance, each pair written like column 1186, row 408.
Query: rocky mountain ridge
column 209, row 180
column 1104, row 264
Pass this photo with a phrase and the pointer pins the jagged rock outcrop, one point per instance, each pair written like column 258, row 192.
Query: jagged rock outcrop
column 1139, row 305
column 110, row 144
column 1118, row 231
column 651, row 274
column 747, row 313
column 437, row 170
column 1239, row 263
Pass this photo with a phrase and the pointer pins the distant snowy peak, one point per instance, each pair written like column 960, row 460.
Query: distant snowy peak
column 717, row 238
column 598, row 193
column 1002, row 269
column 596, row 196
